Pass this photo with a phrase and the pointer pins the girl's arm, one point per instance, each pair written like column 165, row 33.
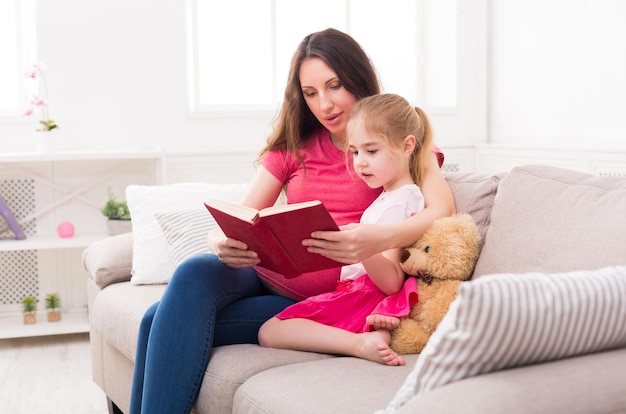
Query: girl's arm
column 262, row 192
column 357, row 242
column 384, row 270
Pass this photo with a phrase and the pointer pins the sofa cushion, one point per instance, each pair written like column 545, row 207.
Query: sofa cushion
column 503, row 321
column 587, row 384
column 109, row 260
column 230, row 366
column 474, row 193
column 337, row 385
column 548, row 219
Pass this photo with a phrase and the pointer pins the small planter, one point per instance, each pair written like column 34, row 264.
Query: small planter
column 53, row 302
column 118, row 215
column 30, row 318
column 119, row 226
column 29, row 307
column 54, row 316
column 46, row 141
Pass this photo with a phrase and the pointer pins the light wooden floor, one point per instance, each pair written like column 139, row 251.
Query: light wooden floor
column 48, row 374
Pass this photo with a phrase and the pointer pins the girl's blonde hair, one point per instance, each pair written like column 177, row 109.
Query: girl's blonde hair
column 392, row 117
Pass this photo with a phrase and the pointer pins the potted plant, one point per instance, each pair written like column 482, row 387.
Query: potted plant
column 53, row 302
column 118, row 215
column 46, row 133
column 29, row 306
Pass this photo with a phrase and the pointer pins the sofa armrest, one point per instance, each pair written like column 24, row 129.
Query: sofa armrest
column 110, row 260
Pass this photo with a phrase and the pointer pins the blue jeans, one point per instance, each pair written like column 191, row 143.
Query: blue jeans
column 206, row 304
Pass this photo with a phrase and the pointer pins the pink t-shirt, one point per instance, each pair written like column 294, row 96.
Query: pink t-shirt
column 329, row 177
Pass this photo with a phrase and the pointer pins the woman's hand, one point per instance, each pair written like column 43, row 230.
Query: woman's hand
column 233, row 253
column 354, row 243
column 262, row 192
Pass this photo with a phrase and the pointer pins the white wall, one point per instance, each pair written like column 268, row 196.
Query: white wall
column 117, row 78
column 558, row 74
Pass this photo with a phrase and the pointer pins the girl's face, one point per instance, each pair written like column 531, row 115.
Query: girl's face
column 376, row 162
column 326, row 96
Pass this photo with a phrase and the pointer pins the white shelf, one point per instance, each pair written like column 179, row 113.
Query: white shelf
column 61, row 186
column 49, row 242
column 12, row 325
column 80, row 156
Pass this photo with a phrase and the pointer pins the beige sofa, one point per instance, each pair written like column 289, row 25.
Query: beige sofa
column 533, row 219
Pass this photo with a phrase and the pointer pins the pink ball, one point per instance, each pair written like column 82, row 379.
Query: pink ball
column 66, row 230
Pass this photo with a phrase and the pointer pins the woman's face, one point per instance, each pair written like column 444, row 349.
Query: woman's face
column 326, row 97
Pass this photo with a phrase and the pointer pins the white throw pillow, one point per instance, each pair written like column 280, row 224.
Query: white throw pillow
column 152, row 263
column 508, row 320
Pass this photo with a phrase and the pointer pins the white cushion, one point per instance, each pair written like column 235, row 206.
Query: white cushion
column 152, row 263
column 507, row 320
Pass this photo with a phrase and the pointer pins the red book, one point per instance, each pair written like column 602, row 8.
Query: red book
column 9, row 218
column 276, row 233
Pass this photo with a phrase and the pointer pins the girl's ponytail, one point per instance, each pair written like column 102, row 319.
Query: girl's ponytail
column 425, row 148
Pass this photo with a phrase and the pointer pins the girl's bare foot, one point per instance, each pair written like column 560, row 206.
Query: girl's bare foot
column 375, row 347
column 382, row 321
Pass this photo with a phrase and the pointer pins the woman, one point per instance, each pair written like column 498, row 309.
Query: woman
column 222, row 299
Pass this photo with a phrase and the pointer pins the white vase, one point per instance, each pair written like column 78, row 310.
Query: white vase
column 119, row 226
column 46, row 141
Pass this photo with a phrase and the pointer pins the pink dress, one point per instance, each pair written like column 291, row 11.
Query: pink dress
column 352, row 301
column 356, row 295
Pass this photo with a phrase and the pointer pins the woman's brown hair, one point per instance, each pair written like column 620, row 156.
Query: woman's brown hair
column 295, row 123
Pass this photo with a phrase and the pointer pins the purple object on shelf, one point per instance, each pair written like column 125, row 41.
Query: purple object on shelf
column 10, row 219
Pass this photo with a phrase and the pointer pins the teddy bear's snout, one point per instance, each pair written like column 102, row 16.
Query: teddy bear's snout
column 404, row 256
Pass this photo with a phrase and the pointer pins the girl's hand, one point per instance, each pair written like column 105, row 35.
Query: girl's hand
column 233, row 253
column 354, row 243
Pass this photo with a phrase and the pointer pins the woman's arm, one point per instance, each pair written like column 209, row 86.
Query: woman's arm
column 356, row 242
column 262, row 192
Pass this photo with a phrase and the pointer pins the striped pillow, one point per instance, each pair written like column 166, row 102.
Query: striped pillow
column 507, row 320
column 186, row 232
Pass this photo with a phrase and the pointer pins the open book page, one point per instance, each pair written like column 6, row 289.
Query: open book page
column 242, row 212
column 251, row 215
column 288, row 207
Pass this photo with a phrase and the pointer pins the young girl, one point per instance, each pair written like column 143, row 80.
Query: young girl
column 388, row 140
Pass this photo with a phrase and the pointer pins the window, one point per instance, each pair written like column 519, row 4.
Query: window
column 433, row 52
column 241, row 49
column 17, row 51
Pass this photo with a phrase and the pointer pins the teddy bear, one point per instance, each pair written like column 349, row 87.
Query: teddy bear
column 441, row 259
